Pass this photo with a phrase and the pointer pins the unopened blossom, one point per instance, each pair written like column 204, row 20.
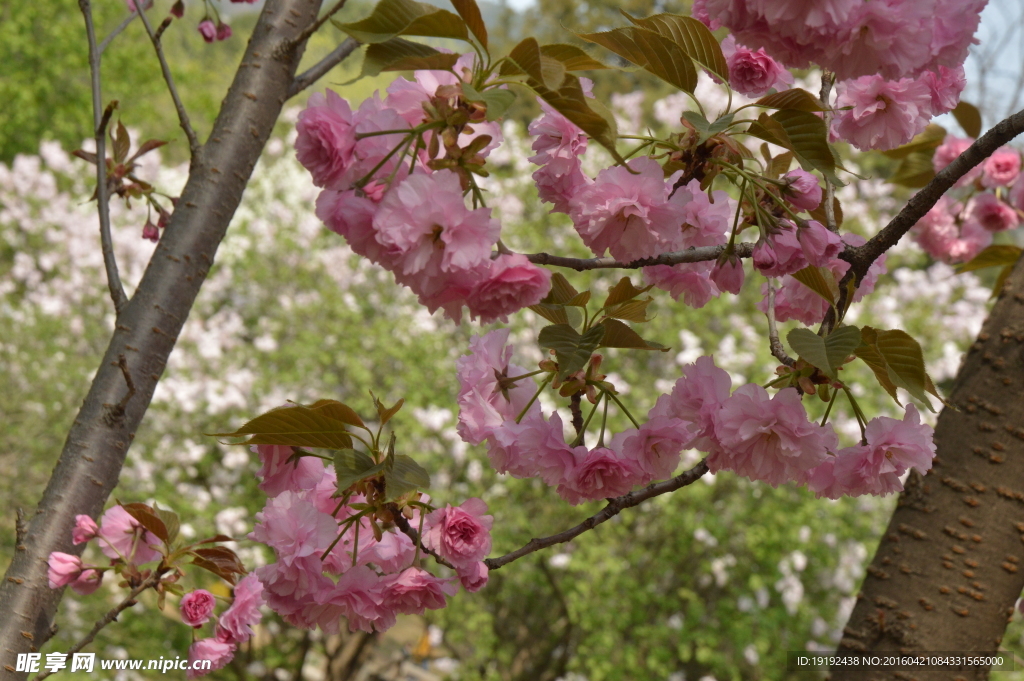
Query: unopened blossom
column 63, row 569
column 598, row 473
column 752, row 72
column 208, row 30
column 802, row 189
column 460, row 534
column 628, row 212
column 512, row 283
column 84, row 530
column 1001, row 168
column 474, row 577
column 780, row 253
column 196, row 607
column 883, row 114
column 87, row 582
column 236, row 623
column 819, row 244
column 991, row 213
column 768, row 439
column 281, row 472
column 218, row 653
column 893, row 446
column 727, row 275
column 223, row 31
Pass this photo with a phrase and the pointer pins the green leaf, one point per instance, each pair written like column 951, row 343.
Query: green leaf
column 552, row 312
column 651, row 51
column 623, row 291
column 385, row 413
column 352, row 466
column 905, row 361
column 807, row 138
column 561, row 290
column 338, row 411
column 915, row 170
column 399, row 54
column 992, row 256
column 969, row 118
column 869, row 354
column 392, row 18
column 618, row 335
column 171, row 522
column 699, row 123
column 829, row 353
column 631, row 310
column 404, row 475
column 929, row 139
column 840, row 344
column 697, row 41
column 572, row 350
column 1001, row 280
column 579, row 300
column 821, row 281
column 779, row 165
column 794, row 98
column 498, row 100
column 294, row 426
column 470, row 13
column 572, row 57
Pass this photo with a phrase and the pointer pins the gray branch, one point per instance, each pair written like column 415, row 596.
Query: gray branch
column 320, row 69
column 702, row 254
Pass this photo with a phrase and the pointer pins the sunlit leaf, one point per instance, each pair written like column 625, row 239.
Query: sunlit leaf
column 1004, row 274
column 294, row 426
column 623, row 291
column 470, row 13
column 905, row 361
column 572, row 57
column 498, row 100
column 392, row 18
column 404, row 475
column 870, row 356
column 697, row 41
column 915, row 170
column 829, row 353
column 631, row 310
column 399, row 54
column 579, row 300
column 171, row 521
column 992, row 256
column 794, row 98
column 618, row 335
column 820, row 280
column 929, row 139
column 352, row 466
column 969, row 118
column 651, row 51
column 808, row 139
column 338, row 411
column 385, row 413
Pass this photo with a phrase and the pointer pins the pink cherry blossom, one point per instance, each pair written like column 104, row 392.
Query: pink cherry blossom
column 557, row 137
column 87, row 582
column 474, row 577
column 351, row 216
column 425, row 222
column 196, row 607
column 695, row 399
column 289, row 589
column 559, row 181
column 63, row 569
column 393, row 552
column 208, row 30
column 689, row 281
column 373, row 116
column 84, row 530
column 599, row 473
column 945, row 86
column 991, row 213
column 223, row 31
column 512, row 283
column 416, row 590
column 357, row 597
column 945, row 237
column 753, row 72
column 1001, row 168
column 886, row 37
column 483, row 402
column 884, row 114
column 704, row 223
column 460, row 534
column 325, row 138
column 803, row 190
column 822, row 479
column 768, row 439
column 728, row 275
column 1016, row 194
column 534, row 447
column 236, row 623
column 279, row 474
column 893, row 447
column 628, row 213
column 122, row 536
column 780, row 254
column 293, row 527
column 655, row 446
column 150, row 232
column 217, row 652
column 947, row 152
column 819, row 244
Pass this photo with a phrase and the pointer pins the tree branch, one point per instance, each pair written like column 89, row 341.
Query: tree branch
column 186, row 125
column 318, row 70
column 116, row 32
column 827, row 80
column 778, row 351
column 701, row 254
column 111, row 616
column 407, row 529
column 315, row 26
column 100, row 119
column 614, row 507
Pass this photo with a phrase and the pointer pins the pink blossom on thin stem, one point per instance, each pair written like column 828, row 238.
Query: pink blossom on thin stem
column 728, row 275
column 63, row 569
column 512, row 283
column 84, row 530
column 208, row 30
column 991, row 213
column 780, row 253
column 803, row 190
column 753, row 72
column 893, row 446
column 219, row 653
column 236, row 623
column 483, row 402
column 460, row 534
column 598, row 473
column 819, row 244
column 196, row 607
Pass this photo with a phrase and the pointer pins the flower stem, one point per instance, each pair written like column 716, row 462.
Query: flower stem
column 534, row 398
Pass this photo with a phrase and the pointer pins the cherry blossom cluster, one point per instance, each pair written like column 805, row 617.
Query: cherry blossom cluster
column 899, row 62
column 328, row 569
column 410, row 216
column 746, row 431
column 234, row 626
column 987, row 200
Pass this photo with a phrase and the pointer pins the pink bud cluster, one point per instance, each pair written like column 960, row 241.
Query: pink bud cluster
column 406, row 217
column 120, row 537
column 234, row 625
column 746, row 431
column 318, row 579
column 987, row 200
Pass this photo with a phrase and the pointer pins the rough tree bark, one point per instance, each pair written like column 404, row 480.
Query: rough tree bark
column 951, row 564
column 147, row 328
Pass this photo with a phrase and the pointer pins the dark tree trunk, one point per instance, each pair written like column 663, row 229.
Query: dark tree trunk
column 148, row 326
column 950, row 567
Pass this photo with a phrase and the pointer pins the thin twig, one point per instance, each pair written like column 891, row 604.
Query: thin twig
column 117, row 293
column 116, row 32
column 774, row 343
column 702, row 254
column 408, row 530
column 186, row 125
column 318, row 70
column 862, row 257
column 614, row 507
column 827, row 79
column 315, row 26
column 111, row 616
